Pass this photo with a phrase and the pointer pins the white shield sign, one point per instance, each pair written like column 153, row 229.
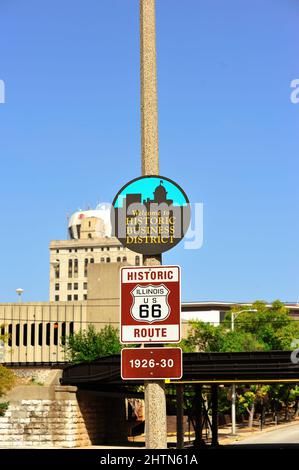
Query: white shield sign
column 150, row 303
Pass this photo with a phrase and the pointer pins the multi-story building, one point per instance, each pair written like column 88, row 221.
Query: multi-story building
column 89, row 242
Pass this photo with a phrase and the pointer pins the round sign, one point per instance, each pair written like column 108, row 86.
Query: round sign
column 150, row 214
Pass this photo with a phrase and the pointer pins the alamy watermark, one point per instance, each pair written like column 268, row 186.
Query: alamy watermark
column 295, row 93
column 194, row 236
column 295, row 352
column 2, row 92
column 193, row 239
column 159, row 221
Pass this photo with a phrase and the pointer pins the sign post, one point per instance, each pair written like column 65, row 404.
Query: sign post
column 154, row 391
column 150, row 215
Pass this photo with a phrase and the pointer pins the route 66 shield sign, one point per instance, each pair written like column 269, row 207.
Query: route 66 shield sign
column 150, row 303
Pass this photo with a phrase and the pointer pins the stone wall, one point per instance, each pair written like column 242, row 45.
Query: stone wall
column 40, row 375
column 64, row 419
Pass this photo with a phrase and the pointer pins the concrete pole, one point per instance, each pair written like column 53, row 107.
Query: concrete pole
column 148, row 76
column 154, row 391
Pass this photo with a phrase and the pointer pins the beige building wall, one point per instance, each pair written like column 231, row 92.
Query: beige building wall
column 34, row 330
column 92, row 227
column 103, row 294
column 69, row 261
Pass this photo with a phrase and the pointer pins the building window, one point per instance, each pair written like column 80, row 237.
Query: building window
column 85, row 297
column 70, row 269
column 118, row 259
column 118, row 247
column 55, row 326
column 75, row 285
column 76, row 297
column 108, row 248
column 76, row 250
column 57, row 251
column 57, row 270
column 24, row 335
column 89, row 235
column 69, row 286
column 69, row 297
column 85, row 285
column 124, row 258
column 10, row 335
column 102, row 249
column 137, row 261
column 71, row 328
column 56, row 298
column 91, row 249
column 108, row 260
column 63, row 332
column 70, row 250
column 57, row 286
column 32, row 334
column 76, row 268
column 48, row 334
column 40, row 334
column 102, row 260
column 86, row 249
column 85, row 267
column 18, row 334
column 91, row 260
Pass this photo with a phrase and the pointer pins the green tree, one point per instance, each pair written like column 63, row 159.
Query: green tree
column 235, row 341
column 88, row 345
column 202, row 336
column 248, row 400
column 206, row 337
column 7, row 377
column 272, row 327
column 266, row 328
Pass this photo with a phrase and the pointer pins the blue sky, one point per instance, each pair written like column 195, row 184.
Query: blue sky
column 228, row 133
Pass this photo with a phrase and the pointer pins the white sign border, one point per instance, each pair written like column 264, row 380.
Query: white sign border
column 176, row 341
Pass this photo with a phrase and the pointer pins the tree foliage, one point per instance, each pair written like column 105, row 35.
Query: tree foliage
column 7, row 379
column 259, row 327
column 88, row 345
column 268, row 328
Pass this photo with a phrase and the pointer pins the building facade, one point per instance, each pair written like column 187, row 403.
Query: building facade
column 36, row 331
column 89, row 242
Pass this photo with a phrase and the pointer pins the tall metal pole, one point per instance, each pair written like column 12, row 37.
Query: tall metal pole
column 233, row 386
column 180, row 416
column 214, row 392
column 233, row 409
column 154, row 391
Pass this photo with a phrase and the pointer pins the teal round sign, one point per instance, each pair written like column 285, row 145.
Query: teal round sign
column 150, row 214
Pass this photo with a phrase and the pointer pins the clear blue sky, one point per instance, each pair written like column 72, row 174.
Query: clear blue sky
column 70, row 133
